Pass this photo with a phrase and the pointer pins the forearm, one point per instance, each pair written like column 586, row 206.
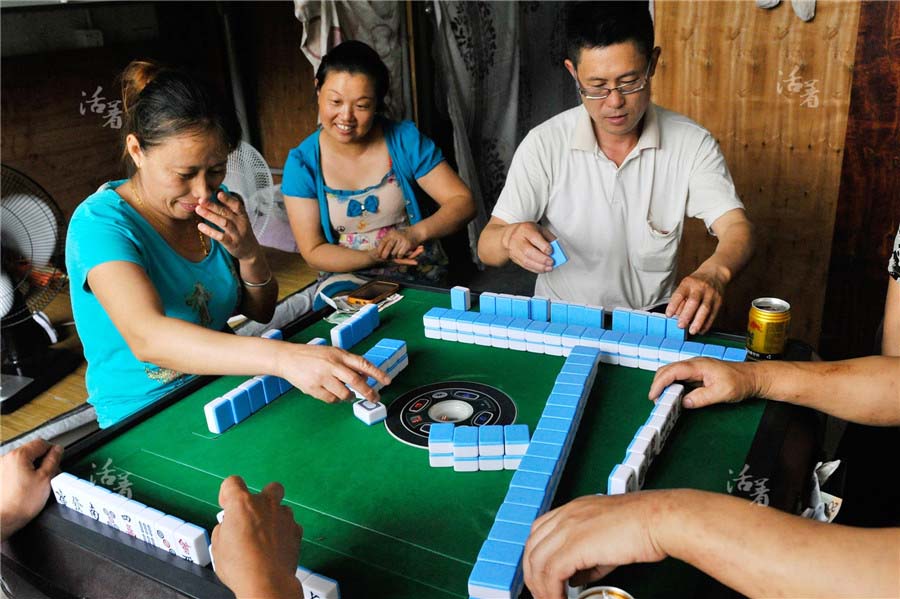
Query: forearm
column 762, row 552
column 490, row 245
column 890, row 339
column 258, row 302
column 187, row 347
column 449, row 218
column 863, row 390
column 334, row 258
column 733, row 251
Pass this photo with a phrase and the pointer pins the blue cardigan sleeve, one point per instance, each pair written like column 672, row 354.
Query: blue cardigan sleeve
column 301, row 168
column 413, row 156
column 302, row 178
column 416, row 150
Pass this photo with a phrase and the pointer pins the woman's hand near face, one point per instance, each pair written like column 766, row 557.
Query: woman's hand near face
column 236, row 235
column 230, row 216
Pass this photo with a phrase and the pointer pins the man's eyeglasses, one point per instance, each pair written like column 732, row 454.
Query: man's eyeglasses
column 602, row 93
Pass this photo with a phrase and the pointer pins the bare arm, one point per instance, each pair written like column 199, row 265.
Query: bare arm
column 456, row 207
column 758, row 551
column 890, row 340
column 258, row 303
column 306, row 224
column 131, row 301
column 762, row 552
column 490, row 243
column 524, row 200
column 698, row 298
column 527, row 244
column 863, row 390
column 236, row 235
column 257, row 545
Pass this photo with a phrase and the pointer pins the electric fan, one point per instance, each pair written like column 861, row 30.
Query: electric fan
column 31, row 235
column 249, row 176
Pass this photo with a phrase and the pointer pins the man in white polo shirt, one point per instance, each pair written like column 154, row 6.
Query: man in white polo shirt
column 613, row 179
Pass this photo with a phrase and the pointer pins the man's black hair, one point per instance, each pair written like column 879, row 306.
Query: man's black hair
column 599, row 24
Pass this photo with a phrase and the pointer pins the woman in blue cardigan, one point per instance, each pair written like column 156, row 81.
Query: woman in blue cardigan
column 348, row 187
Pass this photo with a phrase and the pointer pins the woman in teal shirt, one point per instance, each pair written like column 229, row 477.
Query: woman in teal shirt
column 160, row 261
column 348, row 187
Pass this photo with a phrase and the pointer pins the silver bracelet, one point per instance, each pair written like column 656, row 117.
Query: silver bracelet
column 263, row 284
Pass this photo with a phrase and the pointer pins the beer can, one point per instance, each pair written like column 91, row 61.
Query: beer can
column 605, row 592
column 767, row 328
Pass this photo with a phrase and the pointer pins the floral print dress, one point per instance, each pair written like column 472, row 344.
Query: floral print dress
column 362, row 217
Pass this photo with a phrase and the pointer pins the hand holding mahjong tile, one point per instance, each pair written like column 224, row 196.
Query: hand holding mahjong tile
column 257, row 545
column 26, row 473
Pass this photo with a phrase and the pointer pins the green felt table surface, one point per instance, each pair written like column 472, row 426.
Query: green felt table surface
column 375, row 514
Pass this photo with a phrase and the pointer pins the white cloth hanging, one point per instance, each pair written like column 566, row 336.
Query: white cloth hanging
column 499, row 68
column 321, row 28
column 805, row 9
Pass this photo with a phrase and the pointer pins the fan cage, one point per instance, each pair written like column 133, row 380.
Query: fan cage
column 249, row 175
column 37, row 283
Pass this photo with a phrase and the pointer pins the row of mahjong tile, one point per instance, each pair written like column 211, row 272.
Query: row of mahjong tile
column 650, row 352
column 498, row 567
column 505, row 332
column 472, row 448
column 180, row 538
column 391, row 356
column 249, row 397
column 386, row 355
column 642, row 322
column 356, row 328
column 627, row 349
column 542, row 309
column 238, row 404
column 539, row 309
column 315, row 586
column 647, row 443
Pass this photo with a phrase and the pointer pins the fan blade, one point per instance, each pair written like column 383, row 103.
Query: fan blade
column 7, row 294
column 29, row 227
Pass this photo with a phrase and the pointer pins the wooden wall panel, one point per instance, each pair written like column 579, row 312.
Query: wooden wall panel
column 722, row 64
column 44, row 134
column 868, row 211
column 279, row 78
column 46, row 137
